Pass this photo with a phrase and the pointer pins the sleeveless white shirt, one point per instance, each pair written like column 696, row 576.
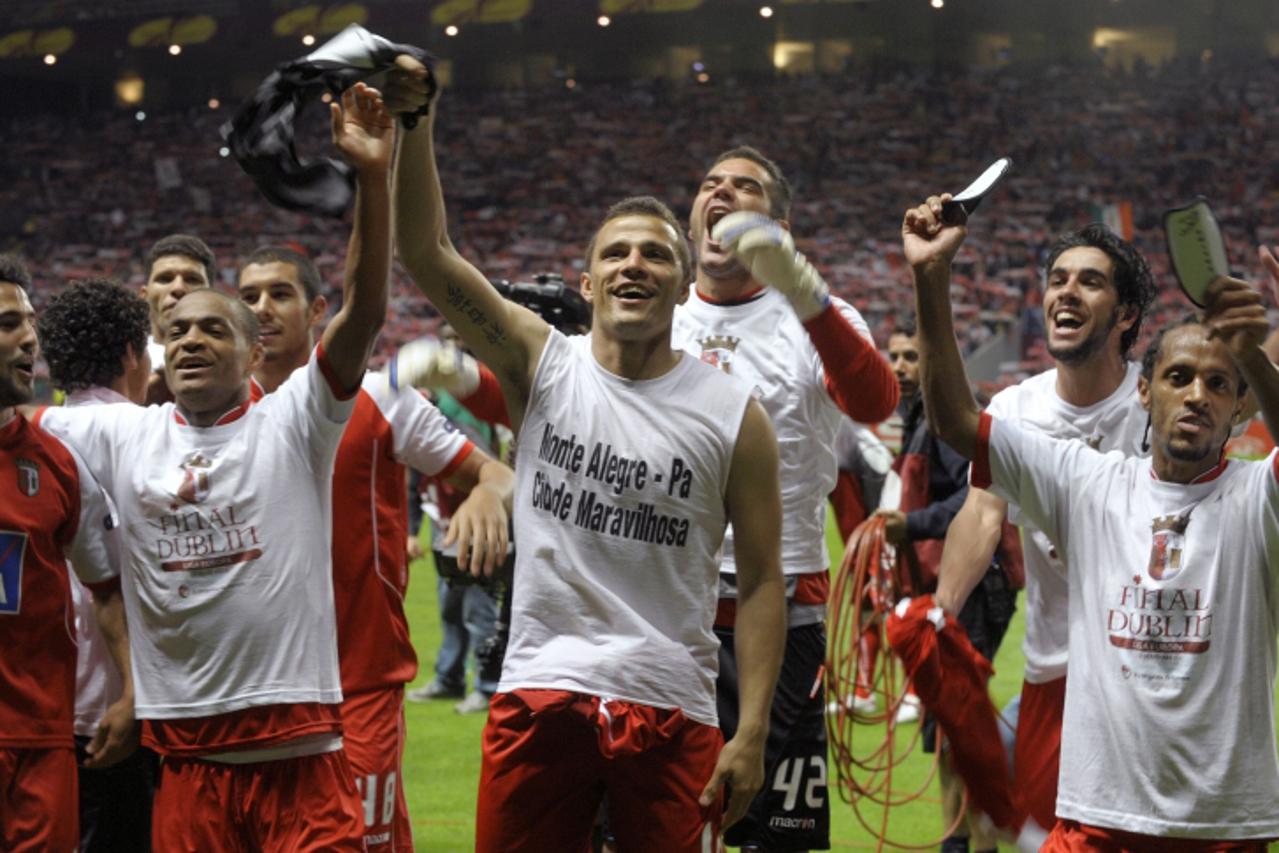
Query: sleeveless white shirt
column 619, row 514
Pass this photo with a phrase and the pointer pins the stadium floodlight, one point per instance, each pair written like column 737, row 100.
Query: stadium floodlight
column 140, row 115
column 50, row 59
column 937, row 4
column 214, row 103
column 603, row 20
column 766, row 11
column 450, row 30
column 175, row 49
column 703, row 77
column 308, row 39
column 224, row 151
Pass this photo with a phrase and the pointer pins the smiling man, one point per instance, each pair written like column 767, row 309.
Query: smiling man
column 177, row 264
column 1172, row 567
column 760, row 312
column 226, row 520
column 1097, row 289
column 631, row 459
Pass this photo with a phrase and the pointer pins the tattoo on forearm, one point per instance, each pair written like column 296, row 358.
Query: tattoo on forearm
column 490, row 328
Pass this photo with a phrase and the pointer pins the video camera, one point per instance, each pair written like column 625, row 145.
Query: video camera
column 551, row 299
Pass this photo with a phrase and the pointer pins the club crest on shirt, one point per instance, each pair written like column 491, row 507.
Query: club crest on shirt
column 28, row 477
column 194, row 487
column 717, row 351
column 1167, row 544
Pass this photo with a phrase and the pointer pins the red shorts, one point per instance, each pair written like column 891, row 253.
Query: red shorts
column 295, row 804
column 1037, row 751
column 1069, row 836
column 550, row 756
column 39, row 799
column 373, row 731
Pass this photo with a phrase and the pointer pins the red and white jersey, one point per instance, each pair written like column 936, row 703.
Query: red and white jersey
column 1169, row 725
column 619, row 515
column 226, row 534
column 387, row 431
column 1116, row 423
column 763, row 344
column 51, row 510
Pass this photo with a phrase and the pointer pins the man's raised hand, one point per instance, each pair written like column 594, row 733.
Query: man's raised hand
column 363, row 130
column 1236, row 314
column 928, row 241
column 766, row 248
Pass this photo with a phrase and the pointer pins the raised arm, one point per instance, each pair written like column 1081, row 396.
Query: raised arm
column 364, row 132
column 1236, row 314
column 929, row 247
column 503, row 335
column 755, row 510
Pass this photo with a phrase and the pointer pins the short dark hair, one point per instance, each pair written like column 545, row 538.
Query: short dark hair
column 1156, row 349
column 14, row 271
column 1133, row 281
column 185, row 245
column 241, row 313
column 646, row 205
column 905, row 325
column 780, row 197
column 308, row 274
column 88, row 328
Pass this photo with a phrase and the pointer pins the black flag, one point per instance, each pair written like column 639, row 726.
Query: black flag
column 261, row 134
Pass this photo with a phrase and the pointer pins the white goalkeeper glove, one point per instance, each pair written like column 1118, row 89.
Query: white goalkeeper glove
column 428, row 363
column 768, row 251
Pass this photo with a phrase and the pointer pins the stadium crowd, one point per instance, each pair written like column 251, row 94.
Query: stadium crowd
column 86, row 195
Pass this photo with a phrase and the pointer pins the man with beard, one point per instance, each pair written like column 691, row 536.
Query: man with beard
column 759, row 311
column 1096, row 292
column 1172, row 564
column 51, row 511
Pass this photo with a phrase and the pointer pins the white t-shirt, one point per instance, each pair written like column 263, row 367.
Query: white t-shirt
column 156, row 350
column 226, row 531
column 764, row 344
column 1116, row 423
column 1169, row 724
column 97, row 679
column 619, row 515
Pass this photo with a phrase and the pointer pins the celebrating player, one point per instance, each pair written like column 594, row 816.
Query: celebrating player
column 631, row 459
column 51, row 510
column 387, row 431
column 760, row 312
column 1171, row 564
column 226, row 511
column 1096, row 291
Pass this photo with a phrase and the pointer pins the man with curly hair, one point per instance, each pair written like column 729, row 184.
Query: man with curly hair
column 94, row 339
